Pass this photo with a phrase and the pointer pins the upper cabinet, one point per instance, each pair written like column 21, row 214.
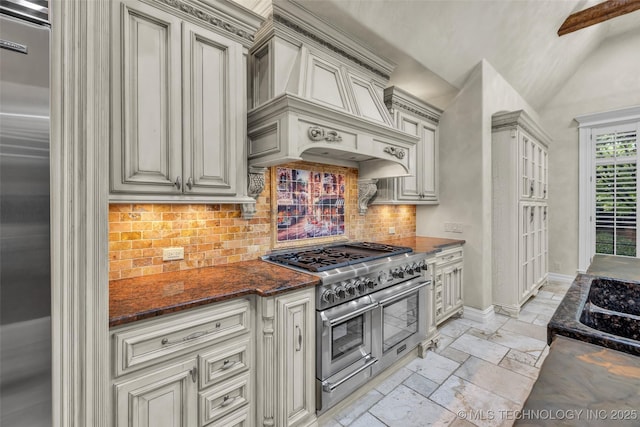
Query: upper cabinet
column 420, row 119
column 179, row 101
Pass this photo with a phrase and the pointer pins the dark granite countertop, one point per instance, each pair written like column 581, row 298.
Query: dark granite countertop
column 149, row 296
column 582, row 384
column 566, row 320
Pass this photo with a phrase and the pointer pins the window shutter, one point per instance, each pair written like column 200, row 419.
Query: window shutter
column 616, row 189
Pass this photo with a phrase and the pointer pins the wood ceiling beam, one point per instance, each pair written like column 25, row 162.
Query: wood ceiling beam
column 596, row 14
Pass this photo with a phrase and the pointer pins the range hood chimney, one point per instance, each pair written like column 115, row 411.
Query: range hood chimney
column 317, row 95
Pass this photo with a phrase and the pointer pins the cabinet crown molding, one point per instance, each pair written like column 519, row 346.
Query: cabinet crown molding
column 244, row 29
column 511, row 120
column 394, row 97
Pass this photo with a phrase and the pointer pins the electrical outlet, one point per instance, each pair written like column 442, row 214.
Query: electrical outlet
column 453, row 227
column 392, row 230
column 172, row 254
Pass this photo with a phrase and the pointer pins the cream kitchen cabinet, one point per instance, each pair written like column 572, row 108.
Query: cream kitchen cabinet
column 432, row 332
column 448, row 282
column 194, row 368
column 419, row 119
column 286, row 369
column 520, row 210
column 179, row 101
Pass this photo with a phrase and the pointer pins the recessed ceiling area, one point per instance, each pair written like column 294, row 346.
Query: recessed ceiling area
column 436, row 44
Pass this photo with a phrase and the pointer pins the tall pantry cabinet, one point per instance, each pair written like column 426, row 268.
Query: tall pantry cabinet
column 520, row 210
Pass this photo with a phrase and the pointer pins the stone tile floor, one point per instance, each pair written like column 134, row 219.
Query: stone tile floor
column 480, row 374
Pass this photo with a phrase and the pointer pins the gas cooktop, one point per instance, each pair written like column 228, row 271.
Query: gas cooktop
column 335, row 256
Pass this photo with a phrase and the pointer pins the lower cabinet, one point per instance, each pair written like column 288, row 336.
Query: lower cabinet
column 191, row 369
column 447, row 277
column 166, row 397
column 286, row 367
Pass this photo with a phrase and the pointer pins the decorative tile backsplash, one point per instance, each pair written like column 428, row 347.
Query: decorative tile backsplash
column 217, row 234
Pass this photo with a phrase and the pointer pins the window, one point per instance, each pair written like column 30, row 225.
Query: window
column 616, row 185
column 609, row 211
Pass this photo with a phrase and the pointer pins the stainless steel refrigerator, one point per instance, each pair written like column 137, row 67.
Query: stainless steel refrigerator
column 25, row 285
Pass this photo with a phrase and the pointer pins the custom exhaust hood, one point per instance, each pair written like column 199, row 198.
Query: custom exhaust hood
column 317, row 95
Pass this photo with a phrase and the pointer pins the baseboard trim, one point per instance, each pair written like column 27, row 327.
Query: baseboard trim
column 481, row 316
column 562, row 278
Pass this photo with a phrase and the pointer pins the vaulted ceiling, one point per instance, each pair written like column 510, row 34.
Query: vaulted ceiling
column 436, row 44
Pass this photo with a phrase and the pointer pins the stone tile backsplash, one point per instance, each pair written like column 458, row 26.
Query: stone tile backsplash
column 217, row 234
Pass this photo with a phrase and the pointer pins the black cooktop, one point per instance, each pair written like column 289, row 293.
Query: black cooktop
column 335, row 256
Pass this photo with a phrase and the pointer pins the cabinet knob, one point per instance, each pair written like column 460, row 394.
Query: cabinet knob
column 190, row 183
column 178, row 183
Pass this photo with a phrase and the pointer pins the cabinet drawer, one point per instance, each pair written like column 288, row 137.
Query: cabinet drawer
column 239, row 418
column 449, row 255
column 223, row 399
column 140, row 346
column 224, row 362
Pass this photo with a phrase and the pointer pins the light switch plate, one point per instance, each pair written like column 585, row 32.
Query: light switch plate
column 392, row 230
column 172, row 254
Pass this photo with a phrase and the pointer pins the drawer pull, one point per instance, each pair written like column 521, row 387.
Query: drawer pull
column 193, row 336
column 227, row 364
column 299, row 344
column 194, row 374
column 227, row 400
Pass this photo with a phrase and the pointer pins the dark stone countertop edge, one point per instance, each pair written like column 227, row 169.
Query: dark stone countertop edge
column 148, row 314
column 566, row 320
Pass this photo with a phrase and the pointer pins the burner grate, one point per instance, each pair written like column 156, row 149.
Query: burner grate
column 331, row 257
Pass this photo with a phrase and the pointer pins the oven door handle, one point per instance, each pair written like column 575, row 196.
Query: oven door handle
column 404, row 293
column 328, row 387
column 354, row 313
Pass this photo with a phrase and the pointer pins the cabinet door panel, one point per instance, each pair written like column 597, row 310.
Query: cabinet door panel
column 297, row 341
column 409, row 187
column 164, row 398
column 146, row 151
column 212, row 94
column 429, row 171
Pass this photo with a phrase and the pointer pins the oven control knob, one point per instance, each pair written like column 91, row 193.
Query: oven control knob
column 409, row 270
column 350, row 288
column 329, row 296
column 423, row 266
column 341, row 292
column 382, row 277
column 371, row 283
column 361, row 285
column 397, row 273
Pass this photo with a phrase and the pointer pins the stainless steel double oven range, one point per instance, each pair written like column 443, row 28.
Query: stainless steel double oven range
column 371, row 310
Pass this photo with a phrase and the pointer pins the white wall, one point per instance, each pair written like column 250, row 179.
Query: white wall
column 465, row 175
column 608, row 79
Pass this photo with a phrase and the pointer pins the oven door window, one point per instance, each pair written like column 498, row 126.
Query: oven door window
column 347, row 336
column 400, row 320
